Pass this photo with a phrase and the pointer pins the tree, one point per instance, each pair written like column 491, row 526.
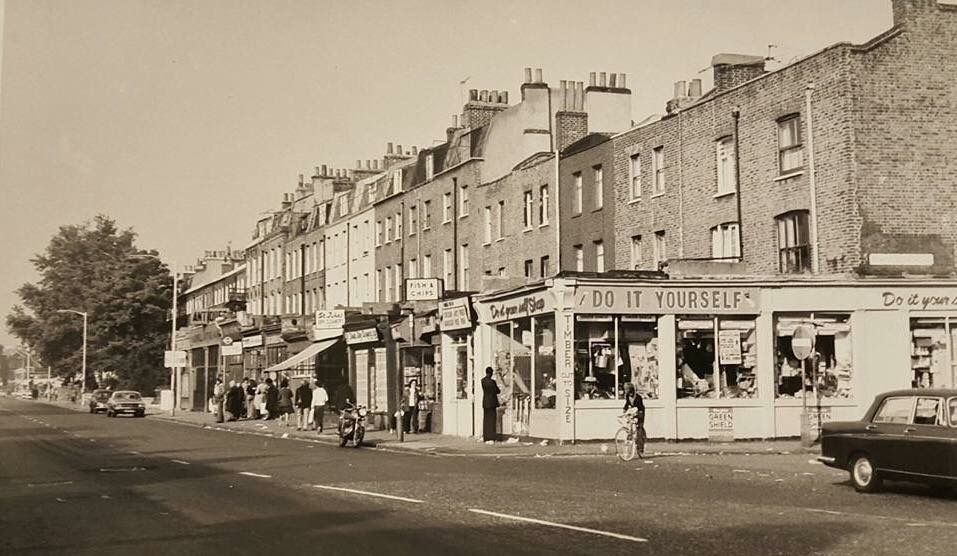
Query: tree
column 96, row 268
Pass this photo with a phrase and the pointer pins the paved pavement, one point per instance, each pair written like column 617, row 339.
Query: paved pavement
column 508, row 447
column 75, row 483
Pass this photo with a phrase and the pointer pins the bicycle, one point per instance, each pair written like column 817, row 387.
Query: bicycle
column 630, row 438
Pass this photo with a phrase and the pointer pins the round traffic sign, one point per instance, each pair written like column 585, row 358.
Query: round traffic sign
column 227, row 340
column 802, row 341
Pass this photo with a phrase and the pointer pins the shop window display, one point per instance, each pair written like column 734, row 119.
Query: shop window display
column 933, row 345
column 544, row 363
column 613, row 351
column 716, row 357
column 460, row 352
column 829, row 369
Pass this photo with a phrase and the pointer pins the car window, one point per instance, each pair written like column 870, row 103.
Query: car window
column 895, row 410
column 126, row 396
column 927, row 411
column 952, row 409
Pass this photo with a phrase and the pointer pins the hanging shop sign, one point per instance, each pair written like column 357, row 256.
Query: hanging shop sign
column 334, row 318
column 253, row 341
column 173, row 359
column 422, row 289
column 362, row 336
column 516, row 308
column 455, row 314
column 729, row 347
column 667, row 300
column 231, row 349
column 931, row 299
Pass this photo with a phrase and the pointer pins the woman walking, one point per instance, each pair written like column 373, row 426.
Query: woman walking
column 286, row 407
column 272, row 399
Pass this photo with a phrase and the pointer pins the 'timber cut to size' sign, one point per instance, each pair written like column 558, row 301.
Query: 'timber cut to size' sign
column 662, row 301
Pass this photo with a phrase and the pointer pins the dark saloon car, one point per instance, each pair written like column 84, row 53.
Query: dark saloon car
column 98, row 400
column 125, row 401
column 906, row 435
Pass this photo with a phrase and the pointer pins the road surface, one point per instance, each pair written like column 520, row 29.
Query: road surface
column 75, row 483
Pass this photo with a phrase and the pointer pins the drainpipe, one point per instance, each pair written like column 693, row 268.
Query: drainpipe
column 455, row 233
column 400, row 295
column 735, row 115
column 812, row 179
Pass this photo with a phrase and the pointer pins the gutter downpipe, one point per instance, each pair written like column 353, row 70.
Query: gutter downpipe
column 736, row 115
column 812, row 178
column 552, row 126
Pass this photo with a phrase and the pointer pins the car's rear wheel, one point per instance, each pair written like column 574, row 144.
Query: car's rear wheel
column 864, row 475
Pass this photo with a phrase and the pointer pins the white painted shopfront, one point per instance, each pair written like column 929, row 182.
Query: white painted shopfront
column 711, row 358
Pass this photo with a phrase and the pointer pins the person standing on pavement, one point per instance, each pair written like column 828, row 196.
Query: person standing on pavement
column 219, row 397
column 250, row 389
column 286, row 407
column 412, row 407
column 303, row 404
column 319, row 400
column 490, row 394
column 271, row 399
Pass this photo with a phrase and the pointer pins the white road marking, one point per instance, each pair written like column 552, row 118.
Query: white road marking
column 58, row 483
column 368, row 493
column 134, row 453
column 561, row 526
column 179, row 461
column 248, row 474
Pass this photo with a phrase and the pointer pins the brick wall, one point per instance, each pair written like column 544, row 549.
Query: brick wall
column 591, row 224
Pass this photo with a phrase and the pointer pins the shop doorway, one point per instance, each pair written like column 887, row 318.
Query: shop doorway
column 934, row 352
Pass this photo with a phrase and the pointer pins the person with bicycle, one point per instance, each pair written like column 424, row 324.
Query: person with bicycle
column 635, row 406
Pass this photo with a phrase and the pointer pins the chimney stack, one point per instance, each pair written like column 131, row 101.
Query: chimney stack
column 731, row 70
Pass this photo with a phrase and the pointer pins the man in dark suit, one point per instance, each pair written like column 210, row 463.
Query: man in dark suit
column 490, row 393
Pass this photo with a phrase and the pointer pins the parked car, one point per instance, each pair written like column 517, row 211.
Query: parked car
column 125, row 401
column 906, row 435
column 98, row 400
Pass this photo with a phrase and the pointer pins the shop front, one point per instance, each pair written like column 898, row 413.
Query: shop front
column 712, row 359
column 369, row 373
column 454, row 358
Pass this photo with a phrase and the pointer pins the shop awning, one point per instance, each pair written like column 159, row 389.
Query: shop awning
column 304, row 355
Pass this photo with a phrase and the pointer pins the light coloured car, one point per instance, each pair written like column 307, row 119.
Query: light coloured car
column 125, row 401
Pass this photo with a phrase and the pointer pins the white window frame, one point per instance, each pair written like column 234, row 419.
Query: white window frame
column 725, row 241
column 577, row 193
column 427, row 266
column 658, row 170
column 543, row 205
column 598, row 175
column 501, row 220
column 463, row 201
column 634, row 176
column 487, row 223
column 429, row 166
column 463, row 281
column 790, row 143
column 426, row 215
column 528, row 204
column 579, row 257
column 397, row 180
column 413, row 219
column 446, row 208
column 388, row 230
column 599, row 255
column 635, row 253
column 660, row 251
column 724, row 165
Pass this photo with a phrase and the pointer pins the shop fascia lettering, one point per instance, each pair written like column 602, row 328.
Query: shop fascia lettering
column 623, row 299
column 523, row 307
column 919, row 300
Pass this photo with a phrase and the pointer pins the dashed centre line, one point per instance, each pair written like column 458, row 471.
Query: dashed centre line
column 260, row 475
column 560, row 525
column 368, row 493
column 179, row 461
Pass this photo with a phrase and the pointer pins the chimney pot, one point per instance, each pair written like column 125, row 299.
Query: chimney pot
column 681, row 89
column 538, row 75
column 368, row 164
column 398, row 150
column 375, row 164
column 415, row 150
column 563, row 91
column 455, row 120
column 504, row 97
column 528, row 75
column 613, row 80
column 318, row 173
column 473, row 94
column 359, row 164
column 325, row 170
column 301, row 180
column 602, row 79
column 483, row 95
column 493, row 96
column 621, row 81
column 694, row 89
column 388, row 148
column 591, row 79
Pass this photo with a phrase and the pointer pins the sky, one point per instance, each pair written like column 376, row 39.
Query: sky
column 186, row 120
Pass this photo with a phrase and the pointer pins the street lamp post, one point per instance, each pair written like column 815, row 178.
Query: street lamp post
column 85, row 318
column 174, row 378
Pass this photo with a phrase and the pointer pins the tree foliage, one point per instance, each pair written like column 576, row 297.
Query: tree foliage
column 96, row 268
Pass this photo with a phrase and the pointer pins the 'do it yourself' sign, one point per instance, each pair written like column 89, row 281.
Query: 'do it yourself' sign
column 663, row 301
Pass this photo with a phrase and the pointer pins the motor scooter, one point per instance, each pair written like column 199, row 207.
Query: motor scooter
column 352, row 425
